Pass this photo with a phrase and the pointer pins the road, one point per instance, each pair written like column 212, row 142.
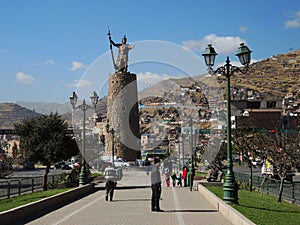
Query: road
column 36, row 172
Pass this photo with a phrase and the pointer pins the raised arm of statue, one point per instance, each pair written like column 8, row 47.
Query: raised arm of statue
column 113, row 43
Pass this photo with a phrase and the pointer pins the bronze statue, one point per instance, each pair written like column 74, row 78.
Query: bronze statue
column 121, row 65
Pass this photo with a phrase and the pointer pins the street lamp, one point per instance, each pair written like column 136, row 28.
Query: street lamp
column 178, row 149
column 182, row 142
column 230, row 186
column 112, row 131
column 84, row 107
column 191, row 172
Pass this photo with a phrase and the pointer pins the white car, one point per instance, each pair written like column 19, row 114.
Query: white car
column 120, row 163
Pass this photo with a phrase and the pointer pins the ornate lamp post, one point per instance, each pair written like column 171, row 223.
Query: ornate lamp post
column 178, row 149
column 112, row 131
column 191, row 172
column 84, row 107
column 182, row 142
column 230, row 186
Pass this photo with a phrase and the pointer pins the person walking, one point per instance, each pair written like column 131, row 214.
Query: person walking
column 111, row 182
column 179, row 180
column 167, row 177
column 184, row 176
column 155, row 186
column 173, row 179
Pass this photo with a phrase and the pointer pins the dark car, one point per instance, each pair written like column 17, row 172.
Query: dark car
column 62, row 165
column 28, row 166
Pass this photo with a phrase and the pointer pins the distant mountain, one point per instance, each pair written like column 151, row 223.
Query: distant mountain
column 11, row 113
column 46, row 107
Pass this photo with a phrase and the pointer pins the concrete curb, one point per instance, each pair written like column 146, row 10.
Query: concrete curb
column 232, row 215
column 20, row 214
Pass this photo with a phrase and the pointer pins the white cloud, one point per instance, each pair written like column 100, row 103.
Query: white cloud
column 294, row 22
column 24, row 78
column 49, row 62
column 222, row 45
column 80, row 83
column 4, row 51
column 77, row 66
column 148, row 78
column 243, row 29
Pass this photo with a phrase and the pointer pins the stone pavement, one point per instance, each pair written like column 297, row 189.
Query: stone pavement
column 131, row 206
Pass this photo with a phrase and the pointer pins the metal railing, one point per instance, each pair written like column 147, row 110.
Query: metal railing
column 22, row 185
column 291, row 190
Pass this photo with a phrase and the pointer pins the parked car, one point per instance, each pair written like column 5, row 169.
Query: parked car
column 28, row 166
column 121, row 163
column 62, row 165
column 257, row 161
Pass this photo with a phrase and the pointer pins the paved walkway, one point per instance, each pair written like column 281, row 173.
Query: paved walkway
column 131, row 206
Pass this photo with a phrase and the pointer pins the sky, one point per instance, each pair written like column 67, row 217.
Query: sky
column 50, row 48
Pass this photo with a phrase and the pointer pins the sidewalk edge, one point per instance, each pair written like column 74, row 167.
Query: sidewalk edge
column 231, row 214
column 35, row 209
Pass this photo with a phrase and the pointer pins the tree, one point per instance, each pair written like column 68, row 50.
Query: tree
column 282, row 150
column 43, row 139
column 246, row 144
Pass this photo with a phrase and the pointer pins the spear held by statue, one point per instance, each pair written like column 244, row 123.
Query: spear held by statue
column 111, row 51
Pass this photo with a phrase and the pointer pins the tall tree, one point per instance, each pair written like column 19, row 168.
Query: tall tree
column 43, row 139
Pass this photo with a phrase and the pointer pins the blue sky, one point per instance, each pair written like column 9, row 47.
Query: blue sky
column 49, row 48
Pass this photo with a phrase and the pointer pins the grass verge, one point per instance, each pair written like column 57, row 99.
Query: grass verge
column 10, row 203
column 262, row 209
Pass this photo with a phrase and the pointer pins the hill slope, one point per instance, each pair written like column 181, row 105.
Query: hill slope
column 273, row 78
column 11, row 113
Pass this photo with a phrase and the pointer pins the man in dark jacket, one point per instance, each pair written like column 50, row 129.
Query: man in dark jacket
column 155, row 186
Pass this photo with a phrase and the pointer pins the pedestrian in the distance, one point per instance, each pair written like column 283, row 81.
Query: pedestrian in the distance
column 155, row 186
column 184, row 176
column 147, row 166
column 167, row 177
column 111, row 182
column 179, row 180
column 173, row 177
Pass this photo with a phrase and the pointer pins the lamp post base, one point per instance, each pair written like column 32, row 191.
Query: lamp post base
column 190, row 175
column 82, row 175
column 230, row 188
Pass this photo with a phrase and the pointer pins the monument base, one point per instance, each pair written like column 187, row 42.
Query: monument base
column 123, row 116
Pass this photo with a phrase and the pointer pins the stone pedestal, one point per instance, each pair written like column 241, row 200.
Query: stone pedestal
column 123, row 116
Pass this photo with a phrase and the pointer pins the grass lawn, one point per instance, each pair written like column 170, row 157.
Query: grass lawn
column 10, row 203
column 263, row 209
